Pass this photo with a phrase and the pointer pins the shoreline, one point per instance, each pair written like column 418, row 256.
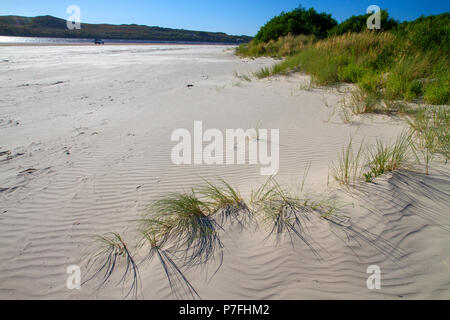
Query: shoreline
column 109, row 44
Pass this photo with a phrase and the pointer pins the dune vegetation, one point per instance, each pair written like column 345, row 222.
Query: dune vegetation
column 372, row 161
column 390, row 68
column 407, row 62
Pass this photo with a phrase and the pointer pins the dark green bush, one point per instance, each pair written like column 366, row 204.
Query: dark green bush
column 359, row 24
column 409, row 62
column 298, row 21
column 427, row 33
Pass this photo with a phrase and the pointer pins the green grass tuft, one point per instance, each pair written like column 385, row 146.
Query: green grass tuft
column 347, row 171
column 111, row 252
column 383, row 158
column 187, row 223
column 226, row 201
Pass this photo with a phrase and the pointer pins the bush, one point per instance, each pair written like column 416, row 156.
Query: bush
column 427, row 33
column 370, row 82
column 298, row 21
column 437, row 92
column 359, row 24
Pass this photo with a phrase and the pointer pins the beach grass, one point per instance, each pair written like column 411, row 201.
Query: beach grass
column 175, row 277
column 110, row 253
column 187, row 222
column 371, row 161
column 430, row 127
column 383, row 158
column 348, row 168
column 226, row 202
column 286, row 213
column 284, row 46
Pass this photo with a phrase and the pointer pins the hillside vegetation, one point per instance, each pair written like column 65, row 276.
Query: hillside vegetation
column 48, row 26
column 407, row 62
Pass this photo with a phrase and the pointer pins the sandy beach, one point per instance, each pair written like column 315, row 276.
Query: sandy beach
column 85, row 138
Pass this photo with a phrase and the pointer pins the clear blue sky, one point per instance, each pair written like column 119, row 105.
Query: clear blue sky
column 230, row 16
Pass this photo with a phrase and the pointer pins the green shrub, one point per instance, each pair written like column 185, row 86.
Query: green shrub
column 298, row 21
column 427, row 33
column 359, row 24
column 370, row 82
column 437, row 92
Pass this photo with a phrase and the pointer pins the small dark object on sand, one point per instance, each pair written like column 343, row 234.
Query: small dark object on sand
column 190, row 86
column 4, row 153
column 28, row 171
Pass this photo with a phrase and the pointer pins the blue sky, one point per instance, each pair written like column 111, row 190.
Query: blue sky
column 230, row 16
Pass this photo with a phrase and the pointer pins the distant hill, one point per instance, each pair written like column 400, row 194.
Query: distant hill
column 48, row 26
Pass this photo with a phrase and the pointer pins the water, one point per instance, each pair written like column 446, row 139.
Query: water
column 39, row 40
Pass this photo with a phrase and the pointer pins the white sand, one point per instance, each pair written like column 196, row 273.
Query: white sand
column 95, row 123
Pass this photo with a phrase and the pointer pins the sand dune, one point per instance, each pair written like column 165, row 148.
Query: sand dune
column 88, row 130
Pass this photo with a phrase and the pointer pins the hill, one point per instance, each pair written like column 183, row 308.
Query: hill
column 48, row 26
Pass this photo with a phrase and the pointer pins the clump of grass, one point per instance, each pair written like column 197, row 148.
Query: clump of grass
column 286, row 213
column 400, row 153
column 407, row 77
column 186, row 221
column 284, row 46
column 177, row 281
column 360, row 102
column 289, row 65
column 112, row 251
column 378, row 159
column 263, row 73
column 380, row 155
column 281, row 211
column 347, row 171
column 431, row 131
column 437, row 92
column 351, row 73
column 226, row 201
column 384, row 158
